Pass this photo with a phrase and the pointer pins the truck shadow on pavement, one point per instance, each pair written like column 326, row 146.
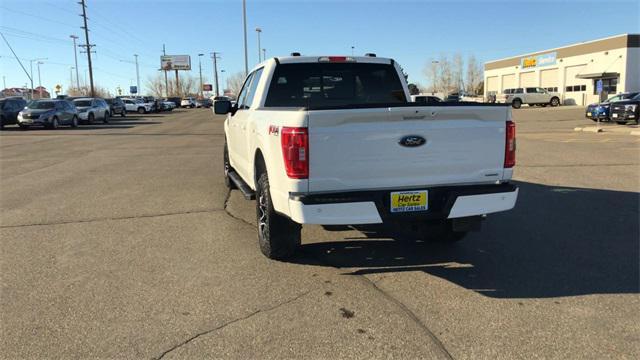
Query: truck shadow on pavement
column 558, row 241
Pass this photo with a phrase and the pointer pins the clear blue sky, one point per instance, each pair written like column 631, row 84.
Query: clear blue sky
column 412, row 32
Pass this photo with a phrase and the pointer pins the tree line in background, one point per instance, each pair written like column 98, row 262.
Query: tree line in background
column 446, row 76
column 186, row 85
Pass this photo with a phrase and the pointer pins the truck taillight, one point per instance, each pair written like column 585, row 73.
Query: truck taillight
column 510, row 145
column 295, row 151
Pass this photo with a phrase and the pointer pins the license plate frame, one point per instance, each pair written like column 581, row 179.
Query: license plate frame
column 409, row 201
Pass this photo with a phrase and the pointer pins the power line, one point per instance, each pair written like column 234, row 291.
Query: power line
column 37, row 16
column 14, row 54
column 29, row 35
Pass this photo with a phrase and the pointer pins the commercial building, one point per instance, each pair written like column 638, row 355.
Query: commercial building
column 573, row 71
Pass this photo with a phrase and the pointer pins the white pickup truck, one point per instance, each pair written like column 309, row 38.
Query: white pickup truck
column 334, row 140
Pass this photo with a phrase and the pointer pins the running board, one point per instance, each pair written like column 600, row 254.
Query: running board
column 242, row 186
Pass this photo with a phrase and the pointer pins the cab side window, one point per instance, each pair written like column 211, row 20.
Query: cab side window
column 243, row 93
column 252, row 88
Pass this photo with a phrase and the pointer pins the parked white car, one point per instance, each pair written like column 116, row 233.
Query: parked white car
column 350, row 148
column 189, row 102
column 92, row 109
column 530, row 96
column 137, row 105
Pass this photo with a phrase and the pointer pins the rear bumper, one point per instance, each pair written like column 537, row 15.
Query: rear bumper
column 373, row 207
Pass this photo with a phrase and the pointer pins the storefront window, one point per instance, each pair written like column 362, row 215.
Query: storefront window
column 576, row 88
column 610, row 86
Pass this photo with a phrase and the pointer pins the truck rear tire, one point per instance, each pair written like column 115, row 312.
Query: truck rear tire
column 278, row 236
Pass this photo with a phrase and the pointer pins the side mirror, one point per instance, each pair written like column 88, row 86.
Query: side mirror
column 222, row 107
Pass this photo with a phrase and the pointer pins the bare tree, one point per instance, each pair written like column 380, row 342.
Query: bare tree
column 446, row 76
column 85, row 90
column 155, row 85
column 474, row 74
column 431, row 72
column 457, row 72
column 187, row 86
column 234, row 83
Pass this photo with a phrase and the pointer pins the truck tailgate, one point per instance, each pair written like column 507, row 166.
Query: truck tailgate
column 358, row 149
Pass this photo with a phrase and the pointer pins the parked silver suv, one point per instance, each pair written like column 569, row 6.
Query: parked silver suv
column 530, row 96
column 90, row 109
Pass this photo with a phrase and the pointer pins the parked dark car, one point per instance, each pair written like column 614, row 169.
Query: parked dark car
column 116, row 105
column 626, row 111
column 175, row 100
column 9, row 109
column 204, row 103
column 601, row 110
column 454, row 97
column 425, row 99
column 48, row 113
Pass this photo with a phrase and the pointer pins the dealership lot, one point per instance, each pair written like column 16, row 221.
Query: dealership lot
column 121, row 241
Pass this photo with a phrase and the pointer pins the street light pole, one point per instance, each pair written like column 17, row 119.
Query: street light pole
column 244, row 22
column 137, row 74
column 258, row 30
column 75, row 55
column 200, row 67
column 71, row 76
column 434, row 70
column 222, row 79
column 264, row 54
column 31, row 72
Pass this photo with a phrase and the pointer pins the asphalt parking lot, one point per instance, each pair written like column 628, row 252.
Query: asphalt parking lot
column 121, row 241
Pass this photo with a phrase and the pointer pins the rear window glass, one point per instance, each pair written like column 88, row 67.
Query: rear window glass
column 41, row 105
column 318, row 85
column 82, row 102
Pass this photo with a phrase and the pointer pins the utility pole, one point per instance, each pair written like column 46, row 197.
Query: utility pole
column 39, row 79
column 166, row 81
column 200, row 67
column 214, row 57
column 178, row 84
column 137, row 74
column 244, row 23
column 88, row 45
column 75, row 55
column 258, row 30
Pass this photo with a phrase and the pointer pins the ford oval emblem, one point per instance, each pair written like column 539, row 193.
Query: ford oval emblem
column 412, row 141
